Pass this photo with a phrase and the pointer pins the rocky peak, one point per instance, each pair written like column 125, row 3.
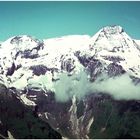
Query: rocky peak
column 116, row 29
column 22, row 38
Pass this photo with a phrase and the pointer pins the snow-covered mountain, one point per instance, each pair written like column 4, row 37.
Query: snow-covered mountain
column 21, row 55
column 34, row 70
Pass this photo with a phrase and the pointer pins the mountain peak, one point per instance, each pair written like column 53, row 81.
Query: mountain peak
column 116, row 29
column 22, row 38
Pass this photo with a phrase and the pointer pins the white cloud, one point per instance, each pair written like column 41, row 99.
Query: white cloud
column 120, row 87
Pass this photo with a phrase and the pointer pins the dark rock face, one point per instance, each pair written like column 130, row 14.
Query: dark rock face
column 34, row 52
column 39, row 69
column 115, row 70
column 113, row 58
column 66, row 118
column 21, row 121
column 11, row 70
column 28, row 54
column 95, row 68
column 114, row 119
column 67, row 64
column 63, row 117
column 83, row 59
column 135, row 80
column 108, row 118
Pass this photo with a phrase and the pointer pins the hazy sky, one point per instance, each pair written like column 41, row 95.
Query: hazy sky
column 54, row 19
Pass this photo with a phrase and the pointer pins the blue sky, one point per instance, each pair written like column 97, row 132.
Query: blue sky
column 54, row 19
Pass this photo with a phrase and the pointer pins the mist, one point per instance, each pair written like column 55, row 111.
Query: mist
column 120, row 87
column 68, row 86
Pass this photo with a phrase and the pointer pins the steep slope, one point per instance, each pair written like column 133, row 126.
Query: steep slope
column 20, row 120
column 114, row 45
column 138, row 42
column 57, row 76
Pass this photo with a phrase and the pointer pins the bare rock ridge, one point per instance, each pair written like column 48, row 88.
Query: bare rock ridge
column 51, row 75
column 113, row 29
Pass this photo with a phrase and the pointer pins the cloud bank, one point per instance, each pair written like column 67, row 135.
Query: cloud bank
column 120, row 87
column 68, row 86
